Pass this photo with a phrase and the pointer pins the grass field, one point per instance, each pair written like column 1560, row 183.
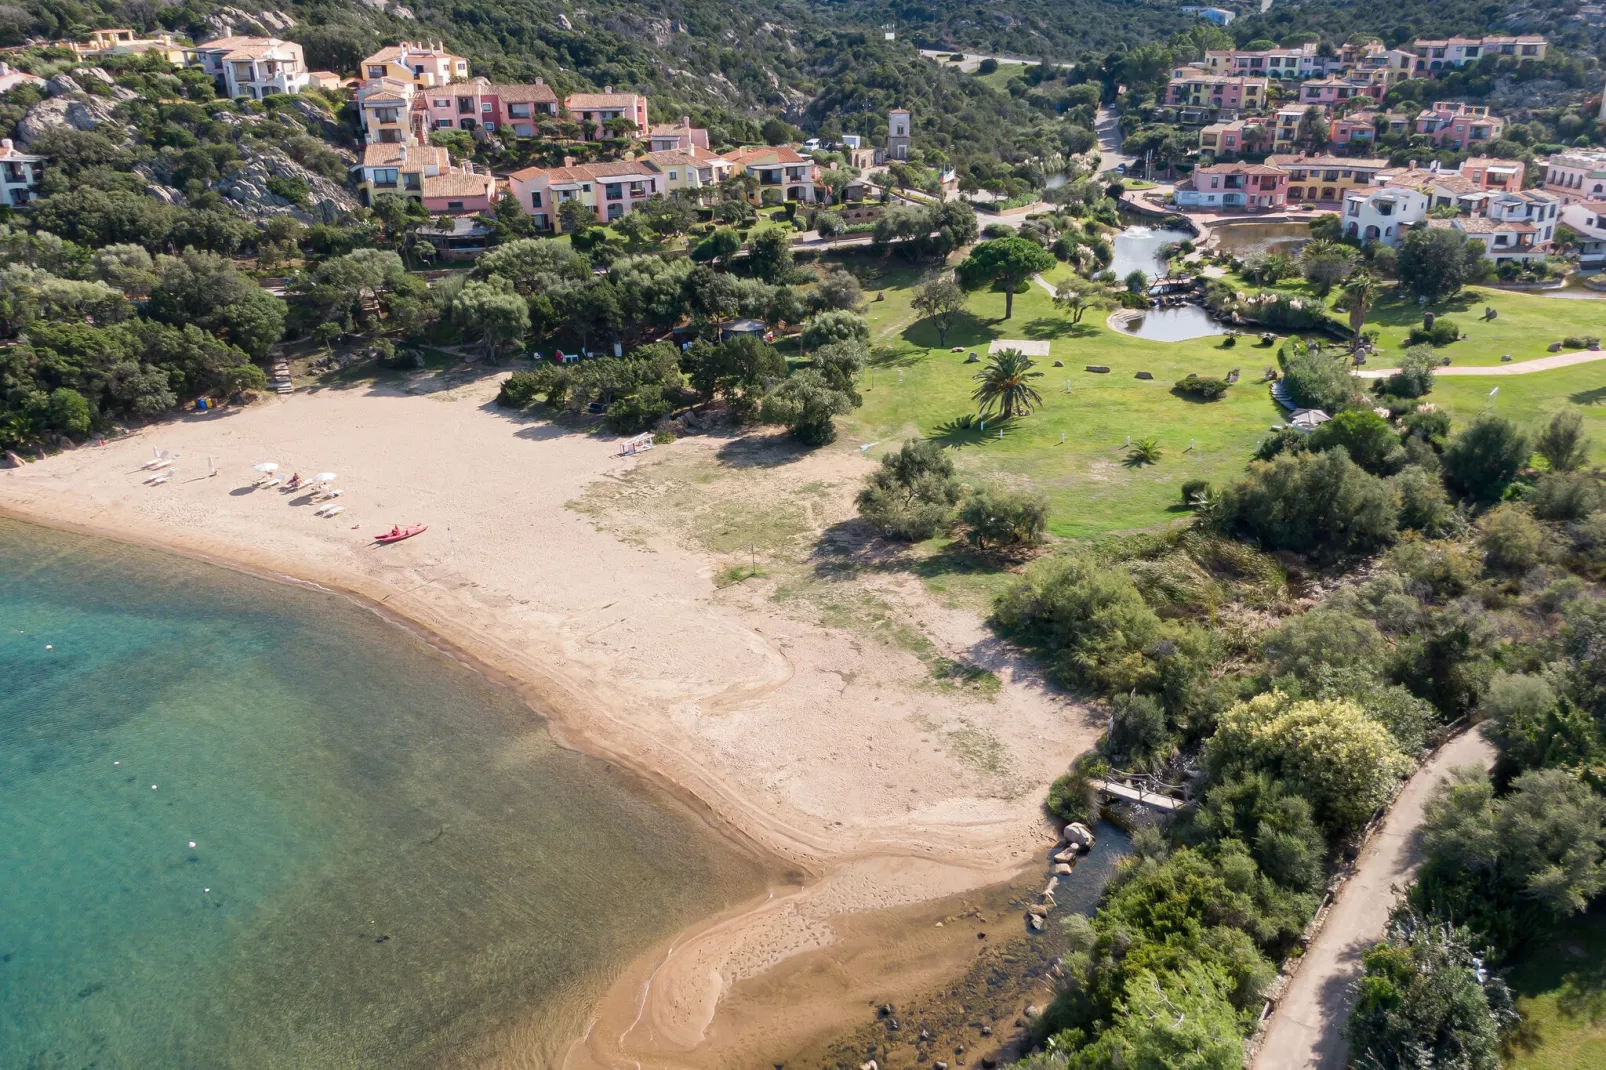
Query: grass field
column 918, row 387
column 1561, row 990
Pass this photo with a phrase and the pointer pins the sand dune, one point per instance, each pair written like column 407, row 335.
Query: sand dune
column 794, row 722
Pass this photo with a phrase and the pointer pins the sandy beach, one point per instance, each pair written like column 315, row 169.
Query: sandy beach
column 798, row 709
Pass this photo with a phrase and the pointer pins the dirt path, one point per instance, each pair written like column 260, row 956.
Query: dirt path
column 1304, row 1033
column 1538, row 364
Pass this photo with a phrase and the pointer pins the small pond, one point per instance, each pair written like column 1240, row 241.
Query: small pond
column 1080, row 892
column 1137, row 248
column 1246, row 238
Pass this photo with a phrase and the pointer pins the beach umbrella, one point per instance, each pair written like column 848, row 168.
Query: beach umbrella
column 265, row 466
column 324, row 477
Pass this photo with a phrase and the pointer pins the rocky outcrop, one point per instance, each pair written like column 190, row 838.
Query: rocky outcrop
column 69, row 110
column 247, row 189
column 327, row 128
column 95, row 76
column 156, row 186
column 1079, row 836
column 227, row 21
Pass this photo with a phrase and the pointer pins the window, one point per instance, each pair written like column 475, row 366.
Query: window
column 613, row 191
column 442, row 102
column 385, row 176
column 412, row 180
column 443, row 124
column 674, row 176
column 454, row 206
column 535, row 199
column 376, row 70
column 485, row 105
column 518, row 111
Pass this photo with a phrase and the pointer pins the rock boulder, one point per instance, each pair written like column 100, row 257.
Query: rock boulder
column 1079, row 836
column 67, row 112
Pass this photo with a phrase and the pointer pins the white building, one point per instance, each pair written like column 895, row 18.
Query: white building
column 19, row 174
column 1577, row 176
column 254, row 67
column 1587, row 219
column 898, row 134
column 1383, row 213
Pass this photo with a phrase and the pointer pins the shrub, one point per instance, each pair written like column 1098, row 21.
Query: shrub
column 1442, row 333
column 1484, row 458
column 1562, row 443
column 1321, row 381
column 1323, row 638
column 1575, row 341
column 1330, row 752
column 1366, row 437
column 1415, row 377
column 834, row 325
column 1194, row 490
column 912, row 494
column 1510, row 539
column 1090, row 621
column 998, row 517
column 520, row 388
column 1322, row 504
column 1424, row 505
column 640, row 411
column 1204, row 389
column 1565, row 496
column 1138, row 731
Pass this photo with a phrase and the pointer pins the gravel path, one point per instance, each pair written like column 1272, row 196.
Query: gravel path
column 1305, row 1030
column 1538, row 364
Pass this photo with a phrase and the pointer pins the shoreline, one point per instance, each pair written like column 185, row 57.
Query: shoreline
column 698, row 698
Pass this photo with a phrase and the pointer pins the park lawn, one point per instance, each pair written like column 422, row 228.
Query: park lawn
column 1001, row 78
column 1560, row 986
column 918, row 388
column 1530, row 400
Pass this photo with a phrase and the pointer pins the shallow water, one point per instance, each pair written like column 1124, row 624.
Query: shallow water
column 1174, row 324
column 253, row 825
column 1137, row 248
column 1244, row 238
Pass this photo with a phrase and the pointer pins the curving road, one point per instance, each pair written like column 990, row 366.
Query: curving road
column 1305, row 1032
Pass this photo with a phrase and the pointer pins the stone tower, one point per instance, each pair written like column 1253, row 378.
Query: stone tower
column 898, row 134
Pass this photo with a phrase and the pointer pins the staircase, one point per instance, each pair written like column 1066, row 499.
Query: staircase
column 279, row 376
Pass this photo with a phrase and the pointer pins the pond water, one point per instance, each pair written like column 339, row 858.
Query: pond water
column 1174, row 324
column 1137, row 248
column 1080, row 892
column 1245, row 238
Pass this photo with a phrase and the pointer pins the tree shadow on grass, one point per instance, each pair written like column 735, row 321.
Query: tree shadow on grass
column 1051, row 327
column 956, row 434
column 967, row 329
column 1588, row 397
column 889, row 357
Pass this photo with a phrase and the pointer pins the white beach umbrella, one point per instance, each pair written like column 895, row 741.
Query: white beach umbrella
column 324, row 477
column 265, row 466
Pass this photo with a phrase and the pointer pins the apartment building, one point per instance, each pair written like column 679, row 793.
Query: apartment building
column 423, row 63
column 128, row 43
column 1353, row 132
column 694, row 168
column 519, row 109
column 600, row 114
column 1459, row 126
column 610, row 190
column 782, row 174
column 1456, row 52
column 1195, row 90
column 1587, row 221
column 1518, row 228
column 1300, row 61
column 900, row 128
column 1577, row 176
column 1384, row 213
column 1338, row 90
column 1251, row 186
column 386, row 108
column 1329, row 179
column 400, row 168
column 1444, row 189
column 462, row 190
column 665, row 137
column 19, row 174
column 1240, row 135
column 254, row 67
column 1489, row 173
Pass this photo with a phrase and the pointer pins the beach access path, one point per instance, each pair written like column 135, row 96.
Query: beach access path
column 1306, row 1030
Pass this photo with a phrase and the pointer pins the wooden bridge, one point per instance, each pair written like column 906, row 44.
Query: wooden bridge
column 1136, row 792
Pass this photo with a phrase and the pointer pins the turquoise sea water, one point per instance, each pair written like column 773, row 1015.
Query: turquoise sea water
column 244, row 824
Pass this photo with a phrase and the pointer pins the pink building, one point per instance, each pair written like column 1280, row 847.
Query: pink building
column 682, row 136
column 1192, row 87
column 1253, row 186
column 479, row 102
column 1488, row 173
column 1356, row 129
column 600, row 108
column 610, row 190
column 1332, row 92
column 1459, row 126
column 459, row 191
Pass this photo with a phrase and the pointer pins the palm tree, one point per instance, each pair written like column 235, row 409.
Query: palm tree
column 1006, row 383
column 1360, row 291
column 1144, row 451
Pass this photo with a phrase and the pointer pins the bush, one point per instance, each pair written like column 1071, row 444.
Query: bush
column 1424, row 505
column 912, row 494
column 987, row 66
column 1194, row 490
column 1415, row 377
column 834, row 325
column 1091, row 622
column 1139, row 735
column 1565, row 496
column 1576, row 341
column 996, row 517
column 1485, row 457
column 1330, row 752
column 1442, row 333
column 1366, row 437
column 640, row 411
column 520, row 389
column 1204, row 389
column 1321, row 381
column 1323, row 638
column 1510, row 539
column 1562, row 443
column 1323, row 504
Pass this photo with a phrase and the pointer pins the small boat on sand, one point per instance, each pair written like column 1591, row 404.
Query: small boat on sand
column 397, row 534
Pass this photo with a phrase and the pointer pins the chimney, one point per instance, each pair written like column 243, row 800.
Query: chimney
column 685, row 121
column 607, row 89
column 403, row 151
column 1412, row 165
column 539, row 80
column 568, row 161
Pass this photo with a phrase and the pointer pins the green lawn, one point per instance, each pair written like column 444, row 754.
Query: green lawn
column 1561, row 990
column 917, row 387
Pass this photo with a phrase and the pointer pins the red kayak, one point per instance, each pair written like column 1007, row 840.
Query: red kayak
column 397, row 534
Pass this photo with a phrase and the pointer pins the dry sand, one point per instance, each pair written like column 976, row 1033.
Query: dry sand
column 800, row 709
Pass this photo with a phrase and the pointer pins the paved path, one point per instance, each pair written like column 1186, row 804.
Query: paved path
column 1304, row 1033
column 1538, row 364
